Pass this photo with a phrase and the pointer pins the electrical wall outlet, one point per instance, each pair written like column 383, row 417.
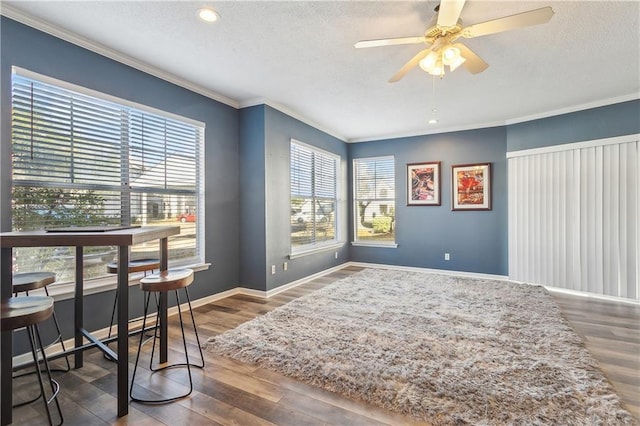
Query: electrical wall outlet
column 447, row 257
column 273, row 269
column 285, row 266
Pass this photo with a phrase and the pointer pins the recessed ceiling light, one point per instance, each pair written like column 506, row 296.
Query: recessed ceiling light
column 208, row 14
column 433, row 121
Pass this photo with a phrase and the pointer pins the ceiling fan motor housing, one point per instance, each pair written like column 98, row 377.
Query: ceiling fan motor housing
column 435, row 32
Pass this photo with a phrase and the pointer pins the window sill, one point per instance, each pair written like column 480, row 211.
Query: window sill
column 66, row 291
column 320, row 249
column 372, row 244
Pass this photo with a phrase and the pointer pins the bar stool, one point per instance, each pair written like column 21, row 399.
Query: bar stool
column 27, row 281
column 173, row 279
column 28, row 312
column 139, row 265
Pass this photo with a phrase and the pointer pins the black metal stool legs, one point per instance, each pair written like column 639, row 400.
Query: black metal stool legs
column 195, row 329
column 184, row 340
column 143, row 265
column 33, row 333
column 187, row 362
column 58, row 339
column 113, row 313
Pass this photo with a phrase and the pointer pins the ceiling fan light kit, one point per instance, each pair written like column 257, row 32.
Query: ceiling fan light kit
column 435, row 62
column 445, row 28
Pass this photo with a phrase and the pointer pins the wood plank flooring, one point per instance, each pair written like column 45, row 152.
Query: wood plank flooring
column 227, row 392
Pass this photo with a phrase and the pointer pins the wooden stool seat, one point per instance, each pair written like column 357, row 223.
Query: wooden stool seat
column 172, row 279
column 138, row 265
column 27, row 312
column 27, row 281
column 24, row 311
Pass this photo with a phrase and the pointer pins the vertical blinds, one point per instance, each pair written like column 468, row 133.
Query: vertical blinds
column 573, row 218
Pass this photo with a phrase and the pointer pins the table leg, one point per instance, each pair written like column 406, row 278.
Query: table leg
column 6, row 341
column 7, row 367
column 164, row 304
column 123, row 330
column 78, row 306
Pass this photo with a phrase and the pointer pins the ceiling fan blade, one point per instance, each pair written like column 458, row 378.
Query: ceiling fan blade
column 449, row 12
column 519, row 20
column 389, row 42
column 409, row 65
column 473, row 63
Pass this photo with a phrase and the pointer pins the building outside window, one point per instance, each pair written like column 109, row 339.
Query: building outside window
column 314, row 181
column 374, row 200
column 85, row 158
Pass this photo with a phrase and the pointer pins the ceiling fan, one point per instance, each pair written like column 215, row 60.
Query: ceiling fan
column 445, row 28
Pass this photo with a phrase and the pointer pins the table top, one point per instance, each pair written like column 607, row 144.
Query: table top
column 120, row 237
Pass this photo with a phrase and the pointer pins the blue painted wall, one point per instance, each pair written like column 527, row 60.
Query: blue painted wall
column 279, row 130
column 476, row 240
column 252, row 198
column 265, row 137
column 36, row 51
column 595, row 123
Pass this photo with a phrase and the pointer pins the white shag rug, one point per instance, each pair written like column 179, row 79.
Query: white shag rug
column 446, row 350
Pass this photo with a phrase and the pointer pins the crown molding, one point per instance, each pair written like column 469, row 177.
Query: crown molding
column 575, row 108
column 66, row 35
column 294, row 114
column 561, row 147
column 507, row 122
column 425, row 132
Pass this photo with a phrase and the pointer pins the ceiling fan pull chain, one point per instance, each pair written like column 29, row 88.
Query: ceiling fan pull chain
column 433, row 98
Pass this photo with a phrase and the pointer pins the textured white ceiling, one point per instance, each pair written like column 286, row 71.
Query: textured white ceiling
column 299, row 56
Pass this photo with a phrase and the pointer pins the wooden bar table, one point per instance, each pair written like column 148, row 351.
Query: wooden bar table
column 84, row 237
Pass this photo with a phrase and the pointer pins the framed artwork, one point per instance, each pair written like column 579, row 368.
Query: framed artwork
column 471, row 187
column 423, row 184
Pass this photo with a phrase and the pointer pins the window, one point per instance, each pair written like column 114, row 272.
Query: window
column 374, row 198
column 313, row 197
column 84, row 158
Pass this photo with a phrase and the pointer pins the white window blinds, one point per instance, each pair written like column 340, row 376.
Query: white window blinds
column 313, row 185
column 79, row 159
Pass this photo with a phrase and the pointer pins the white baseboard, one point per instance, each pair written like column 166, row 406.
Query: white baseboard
column 280, row 289
column 587, row 295
column 429, row 270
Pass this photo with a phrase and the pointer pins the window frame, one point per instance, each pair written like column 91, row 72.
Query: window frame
column 198, row 137
column 355, row 199
column 335, row 242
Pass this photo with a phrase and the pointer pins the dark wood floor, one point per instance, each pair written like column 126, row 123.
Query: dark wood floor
column 230, row 393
